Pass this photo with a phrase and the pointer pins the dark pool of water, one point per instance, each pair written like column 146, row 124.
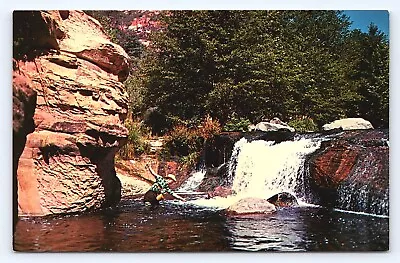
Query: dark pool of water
column 132, row 227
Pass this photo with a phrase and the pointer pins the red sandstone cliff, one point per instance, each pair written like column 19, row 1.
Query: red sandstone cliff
column 352, row 172
column 67, row 164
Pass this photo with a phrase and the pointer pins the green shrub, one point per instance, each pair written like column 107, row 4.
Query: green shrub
column 237, row 124
column 136, row 144
column 209, row 128
column 303, row 124
column 191, row 159
column 181, row 141
column 187, row 143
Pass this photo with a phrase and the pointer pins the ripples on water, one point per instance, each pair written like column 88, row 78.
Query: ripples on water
column 132, row 227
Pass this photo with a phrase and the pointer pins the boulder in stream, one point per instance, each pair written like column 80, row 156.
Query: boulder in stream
column 352, row 172
column 283, row 199
column 251, row 205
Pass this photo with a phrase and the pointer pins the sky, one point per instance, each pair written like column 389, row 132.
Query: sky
column 363, row 18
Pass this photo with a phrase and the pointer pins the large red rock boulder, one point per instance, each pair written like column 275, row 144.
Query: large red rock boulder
column 67, row 164
column 333, row 166
column 352, row 172
column 85, row 38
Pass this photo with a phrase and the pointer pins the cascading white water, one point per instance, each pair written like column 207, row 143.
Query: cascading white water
column 193, row 181
column 262, row 168
column 234, row 157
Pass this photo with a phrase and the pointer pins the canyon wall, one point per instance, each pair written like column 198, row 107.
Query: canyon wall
column 75, row 72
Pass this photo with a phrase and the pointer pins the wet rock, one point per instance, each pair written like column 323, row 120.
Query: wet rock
column 218, row 150
column 67, row 163
column 209, row 183
column 334, row 165
column 283, row 199
column 221, row 191
column 250, row 205
column 352, row 172
column 214, row 177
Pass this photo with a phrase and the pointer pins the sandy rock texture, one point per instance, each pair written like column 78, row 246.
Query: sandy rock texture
column 67, row 163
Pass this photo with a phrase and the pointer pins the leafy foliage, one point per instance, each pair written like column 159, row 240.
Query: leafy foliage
column 136, row 144
column 303, row 124
column 369, row 75
column 237, row 124
column 187, row 143
column 253, row 65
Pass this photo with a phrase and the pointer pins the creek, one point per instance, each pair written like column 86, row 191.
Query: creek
column 132, row 227
column 256, row 168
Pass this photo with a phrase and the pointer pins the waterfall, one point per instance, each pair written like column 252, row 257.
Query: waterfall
column 356, row 195
column 262, row 168
column 193, row 181
column 234, row 158
column 265, row 168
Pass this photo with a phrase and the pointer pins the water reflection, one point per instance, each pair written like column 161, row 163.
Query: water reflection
column 60, row 234
column 135, row 228
column 266, row 233
column 309, row 229
column 330, row 230
column 171, row 233
column 174, row 227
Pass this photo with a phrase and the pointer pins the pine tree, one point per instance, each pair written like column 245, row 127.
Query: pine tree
column 368, row 74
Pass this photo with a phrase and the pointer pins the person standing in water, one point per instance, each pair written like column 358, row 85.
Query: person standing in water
column 159, row 188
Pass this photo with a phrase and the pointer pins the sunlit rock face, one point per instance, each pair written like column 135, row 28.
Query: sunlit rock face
column 67, row 163
column 348, row 124
column 24, row 103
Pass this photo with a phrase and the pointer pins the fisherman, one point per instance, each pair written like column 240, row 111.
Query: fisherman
column 159, row 188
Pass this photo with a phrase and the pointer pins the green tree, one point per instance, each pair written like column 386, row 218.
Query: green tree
column 369, row 75
column 312, row 67
column 261, row 64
